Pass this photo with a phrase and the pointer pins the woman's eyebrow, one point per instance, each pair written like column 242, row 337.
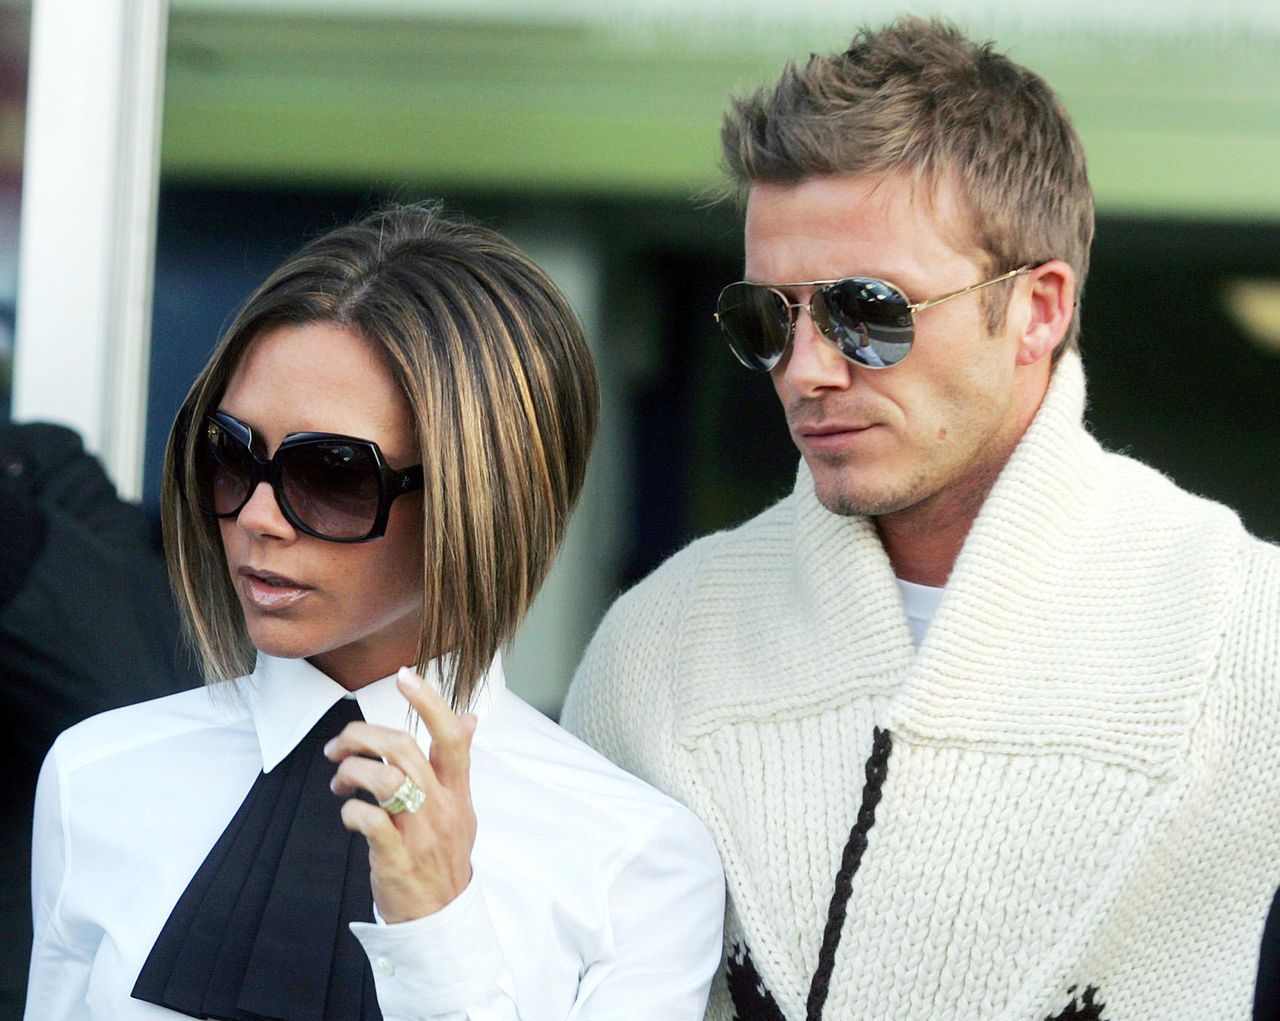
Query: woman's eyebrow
column 243, row 421
column 257, row 437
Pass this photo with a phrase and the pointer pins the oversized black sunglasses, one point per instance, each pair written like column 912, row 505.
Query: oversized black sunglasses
column 333, row 487
column 869, row 321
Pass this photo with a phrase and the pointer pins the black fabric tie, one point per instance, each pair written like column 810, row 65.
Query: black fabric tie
column 260, row 934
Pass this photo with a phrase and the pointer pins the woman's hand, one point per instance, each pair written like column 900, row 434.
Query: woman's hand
column 419, row 860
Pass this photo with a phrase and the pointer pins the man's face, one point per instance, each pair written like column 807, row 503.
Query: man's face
column 935, row 428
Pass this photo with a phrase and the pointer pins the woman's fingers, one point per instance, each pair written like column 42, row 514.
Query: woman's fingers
column 385, row 843
column 419, row 861
column 356, row 773
column 450, row 733
column 362, row 817
column 395, row 747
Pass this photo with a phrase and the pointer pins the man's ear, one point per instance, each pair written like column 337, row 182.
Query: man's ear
column 1051, row 304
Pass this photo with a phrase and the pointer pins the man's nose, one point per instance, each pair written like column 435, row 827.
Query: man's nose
column 813, row 364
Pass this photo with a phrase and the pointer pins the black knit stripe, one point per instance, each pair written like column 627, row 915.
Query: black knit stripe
column 877, row 768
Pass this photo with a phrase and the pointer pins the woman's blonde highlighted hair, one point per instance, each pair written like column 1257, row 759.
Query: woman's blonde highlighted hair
column 503, row 393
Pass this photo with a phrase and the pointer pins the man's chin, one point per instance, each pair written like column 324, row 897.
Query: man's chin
column 855, row 508
column 845, row 497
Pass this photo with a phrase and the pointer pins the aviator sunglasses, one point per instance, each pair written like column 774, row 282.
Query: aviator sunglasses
column 869, row 321
column 332, row 487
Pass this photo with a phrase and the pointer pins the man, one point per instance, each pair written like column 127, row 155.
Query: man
column 984, row 719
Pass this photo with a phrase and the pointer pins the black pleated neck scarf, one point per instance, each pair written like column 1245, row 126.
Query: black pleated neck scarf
column 260, row 934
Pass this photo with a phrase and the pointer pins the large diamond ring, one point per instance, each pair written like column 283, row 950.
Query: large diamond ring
column 407, row 798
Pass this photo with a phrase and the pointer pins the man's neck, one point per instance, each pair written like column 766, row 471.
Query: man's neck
column 923, row 541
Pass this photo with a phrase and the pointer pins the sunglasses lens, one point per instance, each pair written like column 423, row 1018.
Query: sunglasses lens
column 223, row 470
column 756, row 323
column 868, row 321
column 332, row 487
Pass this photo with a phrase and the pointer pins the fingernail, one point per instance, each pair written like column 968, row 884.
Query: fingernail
column 328, row 747
column 409, row 679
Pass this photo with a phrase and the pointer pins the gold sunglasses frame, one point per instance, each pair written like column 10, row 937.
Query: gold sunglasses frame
column 919, row 306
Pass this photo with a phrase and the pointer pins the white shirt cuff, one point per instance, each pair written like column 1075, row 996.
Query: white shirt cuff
column 435, row 965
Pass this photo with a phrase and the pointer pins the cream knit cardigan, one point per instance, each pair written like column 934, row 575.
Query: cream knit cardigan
column 1079, row 814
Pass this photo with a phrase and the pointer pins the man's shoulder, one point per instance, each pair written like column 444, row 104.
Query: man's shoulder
column 1149, row 513
column 1151, row 492
column 754, row 545
column 1261, row 554
column 625, row 693
column 651, row 615
column 1240, row 571
column 1258, row 604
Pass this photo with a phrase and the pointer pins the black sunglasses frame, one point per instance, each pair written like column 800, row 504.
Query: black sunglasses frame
column 392, row 482
column 819, row 308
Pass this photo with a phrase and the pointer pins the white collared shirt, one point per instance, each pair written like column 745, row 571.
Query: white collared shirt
column 593, row 896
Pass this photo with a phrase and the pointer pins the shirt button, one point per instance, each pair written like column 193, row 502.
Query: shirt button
column 385, row 966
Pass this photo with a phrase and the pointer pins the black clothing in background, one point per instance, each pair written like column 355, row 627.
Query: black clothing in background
column 87, row 623
column 1266, row 1002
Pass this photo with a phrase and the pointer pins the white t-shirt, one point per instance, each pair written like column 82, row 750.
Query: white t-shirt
column 921, row 603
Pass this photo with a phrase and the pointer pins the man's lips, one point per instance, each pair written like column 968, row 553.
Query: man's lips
column 831, row 428
column 831, row 435
column 266, row 590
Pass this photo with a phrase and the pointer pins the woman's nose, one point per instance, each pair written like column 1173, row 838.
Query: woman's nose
column 262, row 515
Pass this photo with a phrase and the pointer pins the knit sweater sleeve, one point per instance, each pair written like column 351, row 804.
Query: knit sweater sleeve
column 625, row 696
column 1252, row 658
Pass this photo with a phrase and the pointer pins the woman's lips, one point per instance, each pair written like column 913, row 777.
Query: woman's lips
column 267, row 591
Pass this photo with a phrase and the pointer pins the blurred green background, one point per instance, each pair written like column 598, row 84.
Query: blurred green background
column 1180, row 114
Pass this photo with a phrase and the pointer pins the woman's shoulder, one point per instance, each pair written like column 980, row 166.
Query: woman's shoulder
column 552, row 765
column 135, row 729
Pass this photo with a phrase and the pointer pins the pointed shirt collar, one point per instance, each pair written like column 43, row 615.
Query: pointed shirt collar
column 287, row 696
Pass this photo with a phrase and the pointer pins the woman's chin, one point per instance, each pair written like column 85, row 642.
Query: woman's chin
column 284, row 643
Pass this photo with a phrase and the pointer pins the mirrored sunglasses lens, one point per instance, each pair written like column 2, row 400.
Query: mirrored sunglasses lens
column 223, row 470
column 756, row 323
column 868, row 321
column 331, row 487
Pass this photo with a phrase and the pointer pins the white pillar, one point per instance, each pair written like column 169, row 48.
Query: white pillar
column 87, row 247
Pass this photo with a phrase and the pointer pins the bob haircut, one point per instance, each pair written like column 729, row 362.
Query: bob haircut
column 918, row 98
column 503, row 395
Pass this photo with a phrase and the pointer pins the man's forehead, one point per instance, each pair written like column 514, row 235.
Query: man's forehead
column 938, row 198
column 871, row 213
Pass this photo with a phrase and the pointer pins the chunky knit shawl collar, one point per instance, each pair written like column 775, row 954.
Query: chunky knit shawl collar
column 1074, row 553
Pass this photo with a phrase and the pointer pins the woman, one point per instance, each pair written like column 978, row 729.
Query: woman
column 374, row 469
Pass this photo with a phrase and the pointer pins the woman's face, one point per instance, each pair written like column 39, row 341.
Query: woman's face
column 352, row 609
